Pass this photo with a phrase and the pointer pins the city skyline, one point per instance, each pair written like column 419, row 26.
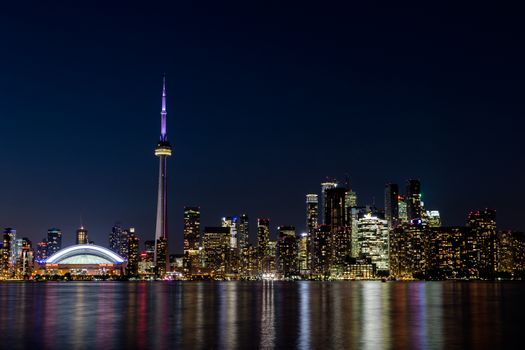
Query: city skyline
column 254, row 130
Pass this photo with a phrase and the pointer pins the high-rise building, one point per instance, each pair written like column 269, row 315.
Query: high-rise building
column 511, row 254
column 372, row 240
column 321, row 260
column 312, row 208
column 243, row 230
column 192, row 238
column 287, row 252
column 325, row 186
column 133, row 252
column 7, row 263
column 402, row 207
column 335, row 213
column 41, row 251
column 263, row 238
column 391, row 205
column 482, row 224
column 119, row 241
column 24, row 258
column 82, row 236
column 413, row 199
column 216, row 245
column 231, row 223
column 54, row 241
column 433, row 218
column 163, row 151
column 303, row 255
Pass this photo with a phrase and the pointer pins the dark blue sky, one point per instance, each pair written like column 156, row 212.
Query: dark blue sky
column 264, row 101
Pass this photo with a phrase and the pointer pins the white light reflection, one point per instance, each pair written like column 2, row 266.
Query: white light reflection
column 304, row 315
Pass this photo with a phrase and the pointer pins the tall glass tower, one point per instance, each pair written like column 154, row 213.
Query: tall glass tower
column 163, row 151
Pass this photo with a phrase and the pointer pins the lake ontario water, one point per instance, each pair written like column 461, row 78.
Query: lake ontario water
column 230, row 315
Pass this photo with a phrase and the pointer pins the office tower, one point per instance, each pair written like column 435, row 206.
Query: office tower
column 445, row 252
column 372, row 240
column 41, row 251
column 163, row 151
column 325, row 186
column 312, row 207
column 119, row 241
column 336, row 218
column 335, row 213
column 408, row 250
column 511, row 254
column 82, row 236
column 402, row 209
column 321, row 260
column 391, row 205
column 243, row 230
column 433, row 218
column 287, row 252
column 263, row 237
column 7, row 264
column 54, row 241
column 482, row 224
column 216, row 246
column 231, row 223
column 413, row 199
column 133, row 252
column 249, row 263
column 192, row 238
column 303, row 254
column 24, row 258
column 147, row 260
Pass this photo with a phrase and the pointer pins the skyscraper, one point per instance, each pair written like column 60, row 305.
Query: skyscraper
column 243, row 230
column 163, row 151
column 54, row 241
column 328, row 184
column 482, row 225
column 391, row 205
column 133, row 252
column 413, row 198
column 82, row 236
column 312, row 205
column 192, row 238
column 263, row 238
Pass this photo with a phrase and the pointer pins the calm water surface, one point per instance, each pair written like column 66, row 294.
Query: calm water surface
column 228, row 315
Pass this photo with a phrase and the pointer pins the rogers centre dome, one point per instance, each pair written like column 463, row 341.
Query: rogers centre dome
column 85, row 259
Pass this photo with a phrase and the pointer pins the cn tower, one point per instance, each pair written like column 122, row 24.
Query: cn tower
column 163, row 151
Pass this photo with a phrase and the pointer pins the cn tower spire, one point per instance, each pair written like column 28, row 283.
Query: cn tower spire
column 163, row 136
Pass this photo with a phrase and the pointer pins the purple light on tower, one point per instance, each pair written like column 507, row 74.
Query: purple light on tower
column 163, row 111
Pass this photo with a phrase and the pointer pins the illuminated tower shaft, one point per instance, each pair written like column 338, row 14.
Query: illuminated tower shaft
column 163, row 151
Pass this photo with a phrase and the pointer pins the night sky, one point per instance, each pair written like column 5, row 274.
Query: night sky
column 264, row 102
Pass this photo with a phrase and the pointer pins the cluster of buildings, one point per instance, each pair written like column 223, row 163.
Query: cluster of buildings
column 342, row 240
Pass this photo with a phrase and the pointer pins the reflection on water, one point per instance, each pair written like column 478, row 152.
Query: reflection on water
column 228, row 315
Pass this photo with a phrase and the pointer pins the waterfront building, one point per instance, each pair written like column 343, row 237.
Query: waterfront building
column 511, row 254
column 163, row 151
column 263, row 238
column 133, row 252
column 482, row 224
column 192, row 239
column 303, row 254
column 287, row 252
column 7, row 263
column 24, row 258
column 373, row 241
column 41, row 250
column 84, row 261
column 216, row 245
column 322, row 252
column 446, row 257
